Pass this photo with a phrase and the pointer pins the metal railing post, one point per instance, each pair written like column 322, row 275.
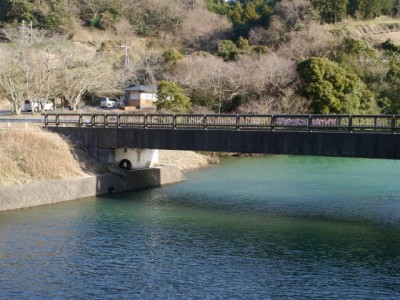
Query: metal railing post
column 272, row 122
column 350, row 125
column 393, row 124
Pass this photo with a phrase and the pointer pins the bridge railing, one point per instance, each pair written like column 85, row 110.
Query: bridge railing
column 349, row 123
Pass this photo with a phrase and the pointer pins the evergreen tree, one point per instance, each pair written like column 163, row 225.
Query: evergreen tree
column 237, row 14
column 331, row 11
column 334, row 90
column 16, row 10
column 227, row 50
column 371, row 8
column 172, row 98
column 392, row 94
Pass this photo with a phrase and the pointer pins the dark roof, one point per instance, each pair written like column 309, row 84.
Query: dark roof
column 143, row 88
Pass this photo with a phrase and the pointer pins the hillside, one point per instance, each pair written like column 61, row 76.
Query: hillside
column 229, row 57
column 375, row 31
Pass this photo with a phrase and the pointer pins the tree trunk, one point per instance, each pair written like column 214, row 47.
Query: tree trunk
column 73, row 106
column 16, row 108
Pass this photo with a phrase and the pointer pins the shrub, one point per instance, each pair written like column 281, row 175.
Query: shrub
column 390, row 46
column 172, row 98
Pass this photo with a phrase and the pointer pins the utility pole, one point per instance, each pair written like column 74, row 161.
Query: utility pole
column 23, row 30
column 126, row 61
column 126, row 65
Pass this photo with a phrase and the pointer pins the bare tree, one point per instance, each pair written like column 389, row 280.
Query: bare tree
column 29, row 64
column 295, row 13
column 313, row 40
column 81, row 71
column 289, row 16
column 160, row 16
column 268, row 73
column 147, row 69
column 94, row 7
column 265, row 84
column 194, row 35
column 15, row 76
column 209, row 76
column 269, row 84
column 257, row 106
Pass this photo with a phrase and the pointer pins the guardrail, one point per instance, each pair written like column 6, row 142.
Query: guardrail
column 347, row 123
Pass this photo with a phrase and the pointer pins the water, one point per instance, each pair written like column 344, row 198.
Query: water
column 276, row 227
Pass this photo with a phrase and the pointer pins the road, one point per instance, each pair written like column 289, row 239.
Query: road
column 7, row 116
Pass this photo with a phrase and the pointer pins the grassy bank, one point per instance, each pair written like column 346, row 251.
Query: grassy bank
column 35, row 155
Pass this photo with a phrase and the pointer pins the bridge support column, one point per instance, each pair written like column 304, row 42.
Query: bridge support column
column 139, row 158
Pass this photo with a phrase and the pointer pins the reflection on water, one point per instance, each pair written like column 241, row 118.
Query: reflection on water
column 275, row 227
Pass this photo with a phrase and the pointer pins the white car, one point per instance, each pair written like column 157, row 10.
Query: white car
column 106, row 102
column 48, row 105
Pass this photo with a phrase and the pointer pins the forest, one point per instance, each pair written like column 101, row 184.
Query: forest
column 243, row 56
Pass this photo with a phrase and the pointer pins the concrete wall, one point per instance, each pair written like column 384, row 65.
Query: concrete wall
column 140, row 158
column 362, row 144
column 48, row 192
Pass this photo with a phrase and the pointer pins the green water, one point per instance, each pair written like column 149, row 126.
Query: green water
column 279, row 227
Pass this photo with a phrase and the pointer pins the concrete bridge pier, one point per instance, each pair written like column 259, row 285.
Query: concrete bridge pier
column 138, row 158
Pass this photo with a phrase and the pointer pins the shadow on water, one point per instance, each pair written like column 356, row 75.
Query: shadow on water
column 257, row 228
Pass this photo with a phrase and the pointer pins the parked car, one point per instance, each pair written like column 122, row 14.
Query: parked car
column 106, row 102
column 48, row 105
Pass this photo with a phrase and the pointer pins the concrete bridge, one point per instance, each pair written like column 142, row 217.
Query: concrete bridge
column 113, row 137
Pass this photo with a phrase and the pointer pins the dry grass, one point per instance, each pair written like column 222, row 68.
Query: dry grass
column 376, row 30
column 4, row 104
column 110, row 43
column 35, row 155
column 185, row 160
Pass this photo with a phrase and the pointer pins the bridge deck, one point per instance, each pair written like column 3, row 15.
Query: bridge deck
column 347, row 136
column 340, row 123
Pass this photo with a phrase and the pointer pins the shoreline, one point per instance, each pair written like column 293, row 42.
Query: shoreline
column 43, row 192
column 170, row 170
column 33, row 174
column 186, row 160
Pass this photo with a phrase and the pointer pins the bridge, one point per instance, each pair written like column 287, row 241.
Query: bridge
column 369, row 136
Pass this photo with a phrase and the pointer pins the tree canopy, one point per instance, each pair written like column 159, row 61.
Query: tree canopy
column 228, row 56
column 333, row 89
column 172, row 98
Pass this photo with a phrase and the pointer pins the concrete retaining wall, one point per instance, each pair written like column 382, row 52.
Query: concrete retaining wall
column 34, row 194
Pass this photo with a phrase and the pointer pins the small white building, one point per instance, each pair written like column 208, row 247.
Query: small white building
column 141, row 96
